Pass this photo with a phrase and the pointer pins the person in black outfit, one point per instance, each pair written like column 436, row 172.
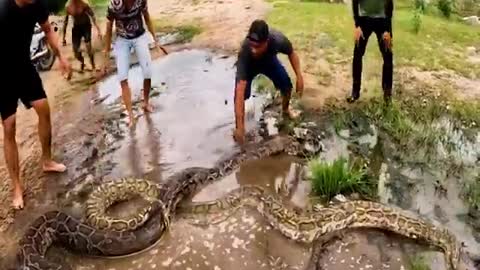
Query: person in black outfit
column 372, row 16
column 20, row 81
column 82, row 13
column 258, row 55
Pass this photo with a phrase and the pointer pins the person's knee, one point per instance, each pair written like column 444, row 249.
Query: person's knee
column 42, row 108
column 9, row 128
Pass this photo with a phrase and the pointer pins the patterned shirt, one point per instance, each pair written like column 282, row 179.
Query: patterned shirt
column 128, row 23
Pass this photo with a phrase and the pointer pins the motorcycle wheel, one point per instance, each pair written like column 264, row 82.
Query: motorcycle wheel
column 46, row 62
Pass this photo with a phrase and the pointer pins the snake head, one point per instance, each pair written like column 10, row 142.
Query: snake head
column 306, row 143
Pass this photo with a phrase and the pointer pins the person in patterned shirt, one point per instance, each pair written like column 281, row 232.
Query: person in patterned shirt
column 127, row 16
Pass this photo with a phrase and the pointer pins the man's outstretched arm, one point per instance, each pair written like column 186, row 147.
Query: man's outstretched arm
column 240, row 105
column 64, row 30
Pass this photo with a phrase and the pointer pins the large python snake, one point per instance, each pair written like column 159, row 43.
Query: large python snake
column 102, row 235
column 308, row 226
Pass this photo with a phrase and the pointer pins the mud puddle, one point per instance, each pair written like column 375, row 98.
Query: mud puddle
column 193, row 120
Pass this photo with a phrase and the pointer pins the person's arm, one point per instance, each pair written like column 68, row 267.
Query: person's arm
column 64, row 32
column 148, row 20
column 91, row 14
column 389, row 15
column 295, row 62
column 108, row 39
column 240, row 105
column 356, row 15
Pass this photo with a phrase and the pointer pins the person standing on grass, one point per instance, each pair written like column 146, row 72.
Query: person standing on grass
column 372, row 16
column 20, row 81
column 258, row 55
column 83, row 17
column 127, row 16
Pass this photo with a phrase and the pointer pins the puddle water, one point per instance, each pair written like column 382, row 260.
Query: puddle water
column 193, row 119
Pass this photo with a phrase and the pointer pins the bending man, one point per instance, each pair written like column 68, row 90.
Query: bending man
column 258, row 55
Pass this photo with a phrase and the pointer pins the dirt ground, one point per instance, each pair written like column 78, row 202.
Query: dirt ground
column 224, row 24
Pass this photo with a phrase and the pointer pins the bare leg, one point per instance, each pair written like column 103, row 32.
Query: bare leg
column 91, row 55
column 11, row 158
column 147, row 85
column 45, row 133
column 127, row 100
column 285, row 105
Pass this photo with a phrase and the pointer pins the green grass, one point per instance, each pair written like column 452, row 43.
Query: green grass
column 186, row 31
column 439, row 44
column 418, row 263
column 340, row 177
column 473, row 194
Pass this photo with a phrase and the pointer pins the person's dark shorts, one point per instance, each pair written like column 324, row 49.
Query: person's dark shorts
column 275, row 71
column 79, row 32
column 27, row 87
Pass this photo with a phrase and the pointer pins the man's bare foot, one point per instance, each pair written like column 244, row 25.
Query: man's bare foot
column 289, row 114
column 131, row 121
column 17, row 200
column 147, row 108
column 52, row 166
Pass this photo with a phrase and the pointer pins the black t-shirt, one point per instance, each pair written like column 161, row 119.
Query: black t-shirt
column 17, row 24
column 247, row 65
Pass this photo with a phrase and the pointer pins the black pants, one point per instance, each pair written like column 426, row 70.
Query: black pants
column 78, row 32
column 369, row 25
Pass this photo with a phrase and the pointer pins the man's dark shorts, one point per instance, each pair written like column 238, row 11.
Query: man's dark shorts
column 79, row 32
column 275, row 71
column 26, row 87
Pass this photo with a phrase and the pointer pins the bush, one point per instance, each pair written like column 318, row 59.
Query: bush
column 417, row 20
column 445, row 7
column 339, row 177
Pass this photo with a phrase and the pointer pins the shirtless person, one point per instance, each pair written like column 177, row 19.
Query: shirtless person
column 82, row 13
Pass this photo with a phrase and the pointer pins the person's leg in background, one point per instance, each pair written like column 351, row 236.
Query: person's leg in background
column 357, row 64
column 76, row 42
column 122, row 58
column 387, row 55
column 145, row 59
column 87, row 36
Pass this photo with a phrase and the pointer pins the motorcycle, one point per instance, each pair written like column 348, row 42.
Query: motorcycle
column 41, row 54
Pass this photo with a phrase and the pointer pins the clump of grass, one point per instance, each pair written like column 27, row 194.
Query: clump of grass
column 340, row 177
column 445, row 7
column 473, row 194
column 188, row 31
column 418, row 263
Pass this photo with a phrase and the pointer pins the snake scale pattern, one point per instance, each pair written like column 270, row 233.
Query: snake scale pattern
column 101, row 235
column 309, row 226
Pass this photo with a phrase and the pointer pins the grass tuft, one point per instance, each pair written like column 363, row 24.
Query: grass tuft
column 340, row 177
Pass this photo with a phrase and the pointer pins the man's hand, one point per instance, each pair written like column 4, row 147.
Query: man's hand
column 387, row 38
column 300, row 86
column 357, row 34
column 239, row 135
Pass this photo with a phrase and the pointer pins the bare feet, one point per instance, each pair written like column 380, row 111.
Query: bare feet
column 131, row 121
column 147, row 108
column 17, row 200
column 52, row 166
column 290, row 115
